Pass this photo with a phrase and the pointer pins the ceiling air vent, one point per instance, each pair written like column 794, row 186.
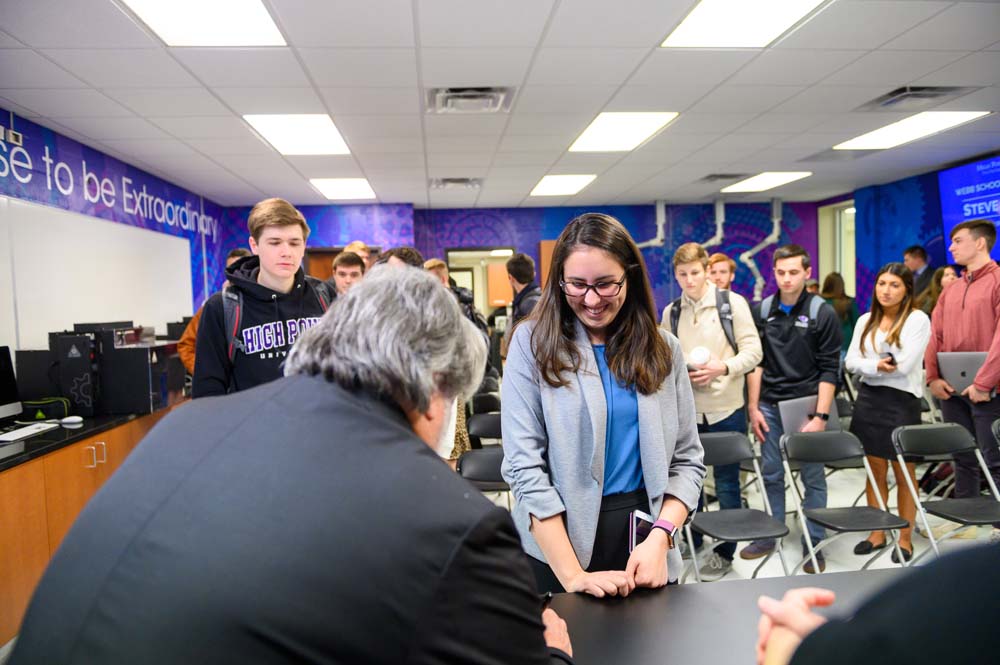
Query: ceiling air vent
column 718, row 177
column 469, row 100
column 456, row 183
column 916, row 98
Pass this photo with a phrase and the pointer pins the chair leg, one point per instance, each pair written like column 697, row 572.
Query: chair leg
column 694, row 552
column 802, row 520
column 920, row 510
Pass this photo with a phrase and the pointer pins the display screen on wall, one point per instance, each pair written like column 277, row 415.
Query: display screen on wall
column 971, row 191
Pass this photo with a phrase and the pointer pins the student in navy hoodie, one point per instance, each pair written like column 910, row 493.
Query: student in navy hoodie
column 276, row 302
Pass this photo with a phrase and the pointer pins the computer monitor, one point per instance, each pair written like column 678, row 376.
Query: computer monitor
column 10, row 401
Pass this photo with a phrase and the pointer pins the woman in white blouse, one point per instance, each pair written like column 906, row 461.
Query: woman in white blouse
column 887, row 350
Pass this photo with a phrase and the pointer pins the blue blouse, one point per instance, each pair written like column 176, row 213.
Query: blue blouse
column 622, row 463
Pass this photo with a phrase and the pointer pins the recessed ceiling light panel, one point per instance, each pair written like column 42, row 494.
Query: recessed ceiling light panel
column 765, row 181
column 344, row 189
column 300, row 134
column 738, row 23
column 561, row 185
column 620, row 132
column 910, row 129
column 208, row 22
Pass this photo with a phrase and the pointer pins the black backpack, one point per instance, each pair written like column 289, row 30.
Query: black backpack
column 725, row 316
column 232, row 306
column 814, row 304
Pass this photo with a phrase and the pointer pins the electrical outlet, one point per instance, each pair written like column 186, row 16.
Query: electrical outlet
column 15, row 138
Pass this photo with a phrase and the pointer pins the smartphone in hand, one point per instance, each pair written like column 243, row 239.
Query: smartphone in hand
column 639, row 526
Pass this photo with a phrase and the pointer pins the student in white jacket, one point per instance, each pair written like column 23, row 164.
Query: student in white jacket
column 887, row 351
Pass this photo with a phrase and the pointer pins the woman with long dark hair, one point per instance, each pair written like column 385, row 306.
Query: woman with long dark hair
column 887, row 350
column 845, row 306
column 598, row 421
column 943, row 276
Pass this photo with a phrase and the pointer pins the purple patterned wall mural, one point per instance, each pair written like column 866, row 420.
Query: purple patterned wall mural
column 746, row 225
column 382, row 226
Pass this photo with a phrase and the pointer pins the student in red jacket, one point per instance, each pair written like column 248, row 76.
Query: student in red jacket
column 967, row 318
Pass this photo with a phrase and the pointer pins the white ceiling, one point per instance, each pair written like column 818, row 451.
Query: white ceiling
column 85, row 68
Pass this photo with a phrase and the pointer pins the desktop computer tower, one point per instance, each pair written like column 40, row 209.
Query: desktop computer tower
column 76, row 373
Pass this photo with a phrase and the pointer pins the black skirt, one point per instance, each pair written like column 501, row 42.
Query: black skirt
column 877, row 411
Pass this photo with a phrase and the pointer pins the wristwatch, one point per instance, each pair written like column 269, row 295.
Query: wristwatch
column 670, row 530
column 821, row 416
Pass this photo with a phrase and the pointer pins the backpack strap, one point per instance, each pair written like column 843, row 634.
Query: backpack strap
column 765, row 307
column 322, row 290
column 726, row 317
column 675, row 315
column 814, row 306
column 232, row 307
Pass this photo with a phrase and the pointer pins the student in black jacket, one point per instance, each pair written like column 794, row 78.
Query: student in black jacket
column 307, row 520
column 272, row 301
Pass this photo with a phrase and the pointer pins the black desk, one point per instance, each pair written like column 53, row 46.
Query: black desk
column 711, row 623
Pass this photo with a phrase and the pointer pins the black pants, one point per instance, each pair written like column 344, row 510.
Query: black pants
column 610, row 542
column 978, row 419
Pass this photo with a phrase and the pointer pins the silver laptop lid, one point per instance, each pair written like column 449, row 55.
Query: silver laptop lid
column 959, row 368
column 795, row 414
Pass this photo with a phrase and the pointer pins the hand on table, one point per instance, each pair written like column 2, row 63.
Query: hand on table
column 784, row 624
column 647, row 565
column 556, row 632
column 602, row 583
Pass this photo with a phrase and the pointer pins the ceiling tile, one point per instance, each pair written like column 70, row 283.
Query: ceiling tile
column 272, row 100
column 350, row 67
column 691, row 67
column 788, row 67
column 243, row 67
column 72, row 24
column 656, row 98
column 746, row 98
column 987, row 99
column 459, row 23
column 474, row 67
column 384, row 126
column 378, row 101
column 27, row 69
column 9, row 105
column 66, row 103
column 621, row 23
column 548, row 124
column 204, row 127
column 377, row 161
column 587, row 100
column 977, row 69
column 457, row 171
column 484, row 144
column 528, row 143
column 6, row 41
column 453, row 198
column 460, row 159
column 831, row 99
column 123, row 68
column 892, row 68
column 253, row 164
column 586, row 162
column 113, row 128
column 385, row 144
column 465, row 125
column 708, row 123
column 966, row 26
column 346, row 22
column 858, row 123
column 326, row 166
column 522, row 159
column 781, row 123
column 859, row 25
column 167, row 102
column 584, row 66
column 515, row 176
column 149, row 149
column 249, row 145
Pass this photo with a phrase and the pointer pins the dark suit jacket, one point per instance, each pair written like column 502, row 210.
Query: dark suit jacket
column 944, row 612
column 292, row 523
column 922, row 281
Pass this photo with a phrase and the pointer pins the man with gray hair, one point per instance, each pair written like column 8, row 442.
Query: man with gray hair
column 306, row 520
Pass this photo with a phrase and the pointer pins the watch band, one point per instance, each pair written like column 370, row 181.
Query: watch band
column 821, row 416
column 670, row 529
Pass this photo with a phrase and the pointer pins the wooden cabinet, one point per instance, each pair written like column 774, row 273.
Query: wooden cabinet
column 24, row 541
column 72, row 476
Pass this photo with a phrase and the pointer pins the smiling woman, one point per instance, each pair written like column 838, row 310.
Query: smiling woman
column 598, row 420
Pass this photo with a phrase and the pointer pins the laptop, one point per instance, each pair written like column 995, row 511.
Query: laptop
column 795, row 414
column 959, row 368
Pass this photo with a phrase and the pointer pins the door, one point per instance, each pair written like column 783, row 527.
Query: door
column 24, row 541
column 72, row 476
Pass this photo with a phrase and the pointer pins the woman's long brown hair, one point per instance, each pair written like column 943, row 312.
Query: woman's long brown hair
column 877, row 313
column 833, row 289
column 637, row 355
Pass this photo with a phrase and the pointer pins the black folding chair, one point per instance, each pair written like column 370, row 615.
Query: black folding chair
column 482, row 469
column 489, row 385
column 943, row 440
column 485, row 403
column 823, row 448
column 735, row 524
column 483, row 426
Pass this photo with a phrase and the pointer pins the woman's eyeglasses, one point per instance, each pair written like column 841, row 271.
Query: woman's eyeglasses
column 603, row 289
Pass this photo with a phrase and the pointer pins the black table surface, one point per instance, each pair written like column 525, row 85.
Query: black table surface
column 713, row 623
column 19, row 452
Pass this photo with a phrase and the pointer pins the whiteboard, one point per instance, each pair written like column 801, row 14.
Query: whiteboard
column 68, row 268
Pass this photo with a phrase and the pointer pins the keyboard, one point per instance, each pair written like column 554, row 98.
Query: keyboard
column 26, row 431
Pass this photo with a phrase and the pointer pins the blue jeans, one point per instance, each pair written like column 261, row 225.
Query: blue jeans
column 727, row 477
column 813, row 475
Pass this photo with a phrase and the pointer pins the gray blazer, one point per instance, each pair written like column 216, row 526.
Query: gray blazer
column 553, row 442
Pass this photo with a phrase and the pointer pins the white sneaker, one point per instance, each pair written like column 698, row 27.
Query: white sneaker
column 968, row 533
column 994, row 536
column 715, row 567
